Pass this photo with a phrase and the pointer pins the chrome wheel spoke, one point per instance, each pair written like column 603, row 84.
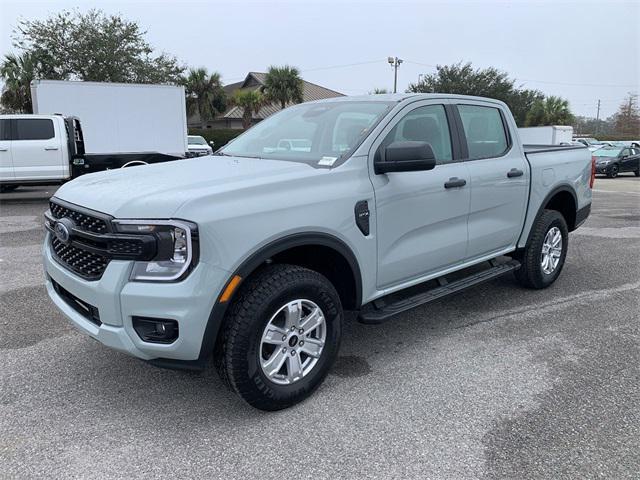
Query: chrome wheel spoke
column 275, row 362
column 294, row 368
column 274, row 335
column 292, row 314
column 312, row 347
column 312, row 321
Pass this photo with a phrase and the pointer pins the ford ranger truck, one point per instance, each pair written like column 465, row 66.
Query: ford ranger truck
column 252, row 257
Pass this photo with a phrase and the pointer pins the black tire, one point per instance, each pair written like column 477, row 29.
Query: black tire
column 613, row 171
column 8, row 188
column 238, row 355
column 637, row 173
column 531, row 273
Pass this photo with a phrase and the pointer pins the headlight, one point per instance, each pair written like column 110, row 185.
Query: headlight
column 177, row 248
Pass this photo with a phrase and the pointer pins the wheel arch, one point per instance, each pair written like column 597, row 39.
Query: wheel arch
column 562, row 199
column 332, row 257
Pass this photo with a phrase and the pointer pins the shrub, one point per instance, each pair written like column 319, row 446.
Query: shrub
column 220, row 136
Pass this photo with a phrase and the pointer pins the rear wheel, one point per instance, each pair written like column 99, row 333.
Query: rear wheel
column 8, row 188
column 543, row 257
column 281, row 337
column 637, row 172
column 613, row 171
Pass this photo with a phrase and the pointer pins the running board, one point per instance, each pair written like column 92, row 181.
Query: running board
column 381, row 310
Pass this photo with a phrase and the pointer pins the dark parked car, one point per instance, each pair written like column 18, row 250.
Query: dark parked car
column 614, row 160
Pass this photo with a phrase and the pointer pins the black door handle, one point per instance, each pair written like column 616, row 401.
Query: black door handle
column 514, row 172
column 455, row 182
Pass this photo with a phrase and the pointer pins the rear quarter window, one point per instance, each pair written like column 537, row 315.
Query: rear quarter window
column 34, row 129
column 484, row 131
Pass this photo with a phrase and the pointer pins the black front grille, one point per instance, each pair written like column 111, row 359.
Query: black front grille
column 86, row 264
column 82, row 220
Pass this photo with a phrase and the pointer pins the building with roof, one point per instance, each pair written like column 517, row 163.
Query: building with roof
column 232, row 117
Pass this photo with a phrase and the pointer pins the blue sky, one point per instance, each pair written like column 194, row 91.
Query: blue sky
column 583, row 51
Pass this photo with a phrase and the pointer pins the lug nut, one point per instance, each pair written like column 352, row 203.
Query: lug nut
column 284, row 350
column 301, row 343
column 284, row 337
column 293, row 352
column 301, row 331
column 293, row 328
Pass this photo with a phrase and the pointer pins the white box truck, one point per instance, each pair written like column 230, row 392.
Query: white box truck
column 549, row 135
column 84, row 127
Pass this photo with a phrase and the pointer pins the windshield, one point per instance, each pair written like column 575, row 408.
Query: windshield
column 312, row 133
column 608, row 152
column 196, row 140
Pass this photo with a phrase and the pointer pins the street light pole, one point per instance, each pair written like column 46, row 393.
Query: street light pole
column 395, row 63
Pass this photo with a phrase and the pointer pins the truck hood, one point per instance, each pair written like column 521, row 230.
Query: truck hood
column 158, row 191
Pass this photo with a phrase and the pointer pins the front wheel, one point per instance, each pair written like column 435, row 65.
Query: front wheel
column 613, row 171
column 281, row 336
column 543, row 257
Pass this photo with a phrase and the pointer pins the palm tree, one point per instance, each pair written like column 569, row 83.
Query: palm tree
column 205, row 95
column 283, row 85
column 17, row 72
column 250, row 101
column 550, row 111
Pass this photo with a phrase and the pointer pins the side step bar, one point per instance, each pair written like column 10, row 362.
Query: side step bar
column 379, row 310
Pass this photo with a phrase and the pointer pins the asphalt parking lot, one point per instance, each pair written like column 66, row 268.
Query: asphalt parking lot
column 498, row 382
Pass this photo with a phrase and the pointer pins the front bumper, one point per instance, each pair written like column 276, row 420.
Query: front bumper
column 189, row 302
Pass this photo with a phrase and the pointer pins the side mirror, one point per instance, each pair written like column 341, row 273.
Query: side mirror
column 404, row 157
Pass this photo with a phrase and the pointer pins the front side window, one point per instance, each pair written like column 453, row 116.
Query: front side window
column 34, row 129
column 313, row 133
column 424, row 124
column 484, row 130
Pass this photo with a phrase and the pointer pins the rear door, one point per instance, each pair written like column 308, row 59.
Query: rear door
column 6, row 162
column 421, row 224
column 37, row 149
column 499, row 178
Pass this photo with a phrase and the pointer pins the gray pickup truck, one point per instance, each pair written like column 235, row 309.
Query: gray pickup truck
column 373, row 204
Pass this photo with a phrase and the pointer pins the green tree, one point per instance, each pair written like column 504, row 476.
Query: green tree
column 463, row 79
column 94, row 46
column 550, row 111
column 627, row 118
column 283, row 85
column 205, row 95
column 250, row 101
column 378, row 91
column 17, row 71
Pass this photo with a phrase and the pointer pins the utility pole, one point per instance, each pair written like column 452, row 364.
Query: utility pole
column 598, row 117
column 395, row 63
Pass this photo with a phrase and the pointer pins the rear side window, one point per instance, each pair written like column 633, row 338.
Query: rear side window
column 424, row 124
column 5, row 132
column 34, row 129
column 484, row 130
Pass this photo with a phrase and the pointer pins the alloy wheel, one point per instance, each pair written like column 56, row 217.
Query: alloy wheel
column 292, row 342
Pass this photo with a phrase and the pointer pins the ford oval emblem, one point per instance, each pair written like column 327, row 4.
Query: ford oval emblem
column 62, row 233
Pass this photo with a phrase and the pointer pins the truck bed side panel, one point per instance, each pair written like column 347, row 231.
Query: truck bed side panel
column 554, row 169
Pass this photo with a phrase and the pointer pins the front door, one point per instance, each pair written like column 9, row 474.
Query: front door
column 36, row 149
column 421, row 224
column 499, row 176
